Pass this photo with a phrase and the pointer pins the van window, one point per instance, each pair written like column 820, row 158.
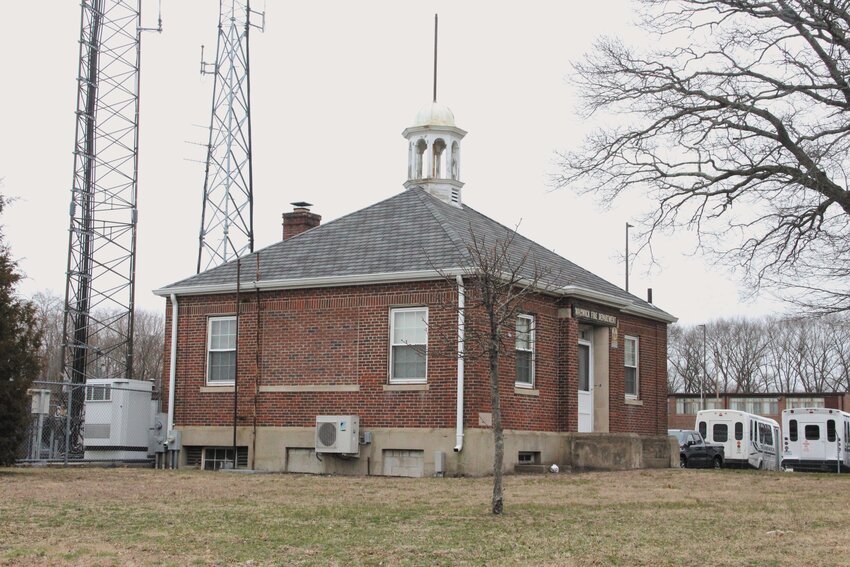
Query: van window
column 720, row 432
column 812, row 432
column 768, row 436
column 752, row 430
column 739, row 431
column 830, row 430
column 792, row 430
column 702, row 429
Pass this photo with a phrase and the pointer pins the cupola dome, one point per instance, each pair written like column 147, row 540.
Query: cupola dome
column 434, row 114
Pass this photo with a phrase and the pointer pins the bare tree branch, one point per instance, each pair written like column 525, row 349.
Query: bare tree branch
column 740, row 132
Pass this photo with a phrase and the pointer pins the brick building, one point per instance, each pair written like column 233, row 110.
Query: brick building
column 682, row 408
column 359, row 317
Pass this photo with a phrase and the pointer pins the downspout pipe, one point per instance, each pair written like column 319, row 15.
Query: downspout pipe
column 172, row 368
column 461, row 301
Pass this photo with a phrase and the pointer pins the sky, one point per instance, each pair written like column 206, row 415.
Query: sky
column 333, row 85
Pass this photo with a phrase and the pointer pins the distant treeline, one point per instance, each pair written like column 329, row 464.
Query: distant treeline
column 771, row 354
column 148, row 337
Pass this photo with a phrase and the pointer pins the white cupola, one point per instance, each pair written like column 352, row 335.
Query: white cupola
column 433, row 161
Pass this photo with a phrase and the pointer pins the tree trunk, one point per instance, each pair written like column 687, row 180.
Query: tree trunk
column 498, row 439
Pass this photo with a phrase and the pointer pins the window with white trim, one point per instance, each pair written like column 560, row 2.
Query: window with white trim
column 221, row 350
column 99, row 393
column 525, row 351
column 631, row 374
column 409, row 345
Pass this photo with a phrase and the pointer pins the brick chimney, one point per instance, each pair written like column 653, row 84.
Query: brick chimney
column 299, row 220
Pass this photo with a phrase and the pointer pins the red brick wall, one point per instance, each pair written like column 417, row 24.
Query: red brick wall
column 651, row 417
column 341, row 336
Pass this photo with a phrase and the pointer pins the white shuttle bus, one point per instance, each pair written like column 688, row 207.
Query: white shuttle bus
column 816, row 439
column 749, row 440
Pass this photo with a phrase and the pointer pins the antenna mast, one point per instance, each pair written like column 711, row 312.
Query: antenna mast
column 435, row 57
column 227, row 214
column 100, row 275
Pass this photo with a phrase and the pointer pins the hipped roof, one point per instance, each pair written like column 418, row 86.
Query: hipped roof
column 409, row 236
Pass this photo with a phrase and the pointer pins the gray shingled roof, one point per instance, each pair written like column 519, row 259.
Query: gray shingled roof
column 409, row 232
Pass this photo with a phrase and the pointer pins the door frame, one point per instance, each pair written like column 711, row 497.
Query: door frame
column 590, row 383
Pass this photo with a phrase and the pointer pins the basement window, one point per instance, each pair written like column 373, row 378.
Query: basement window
column 528, row 458
column 217, row 458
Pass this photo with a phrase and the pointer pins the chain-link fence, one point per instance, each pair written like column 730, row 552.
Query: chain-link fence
column 102, row 420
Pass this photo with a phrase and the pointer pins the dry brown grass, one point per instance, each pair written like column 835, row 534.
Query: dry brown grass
column 666, row 517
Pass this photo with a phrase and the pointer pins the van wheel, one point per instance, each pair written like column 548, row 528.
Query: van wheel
column 717, row 463
column 683, row 462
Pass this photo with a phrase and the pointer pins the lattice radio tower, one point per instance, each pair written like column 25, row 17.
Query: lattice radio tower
column 227, row 216
column 99, row 293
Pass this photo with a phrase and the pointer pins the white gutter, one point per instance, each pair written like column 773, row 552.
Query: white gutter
column 461, row 303
column 649, row 313
column 326, row 281
column 595, row 296
column 172, row 369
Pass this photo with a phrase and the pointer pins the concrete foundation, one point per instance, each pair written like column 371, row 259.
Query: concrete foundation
column 417, row 451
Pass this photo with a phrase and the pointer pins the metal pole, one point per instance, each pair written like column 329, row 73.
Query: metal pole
column 236, row 361
column 435, row 57
column 702, row 380
column 627, row 256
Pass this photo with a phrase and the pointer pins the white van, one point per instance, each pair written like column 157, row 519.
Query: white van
column 749, row 440
column 816, row 439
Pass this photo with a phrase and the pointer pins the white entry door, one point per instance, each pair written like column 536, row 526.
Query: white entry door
column 585, row 387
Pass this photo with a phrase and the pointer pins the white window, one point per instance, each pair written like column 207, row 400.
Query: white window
column 98, row 393
column 221, row 350
column 758, row 406
column 794, row 403
column 525, row 351
column 632, row 377
column 409, row 345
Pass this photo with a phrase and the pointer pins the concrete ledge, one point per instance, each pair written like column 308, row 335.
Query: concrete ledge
column 617, row 451
column 526, row 391
column 406, row 387
column 633, row 402
column 217, row 389
column 313, row 388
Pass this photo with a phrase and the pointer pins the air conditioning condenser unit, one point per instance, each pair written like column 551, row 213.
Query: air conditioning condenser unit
column 338, row 434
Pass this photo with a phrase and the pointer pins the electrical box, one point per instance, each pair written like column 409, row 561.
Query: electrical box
column 40, row 400
column 439, row 463
column 338, row 434
column 118, row 419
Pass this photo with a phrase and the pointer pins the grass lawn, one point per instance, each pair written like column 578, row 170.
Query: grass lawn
column 660, row 517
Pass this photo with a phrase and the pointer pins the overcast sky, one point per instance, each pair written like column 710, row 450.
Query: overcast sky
column 334, row 84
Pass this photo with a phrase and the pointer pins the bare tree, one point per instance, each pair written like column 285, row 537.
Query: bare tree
column 773, row 354
column 502, row 275
column 738, row 129
column 685, row 358
column 781, row 358
column 148, row 337
column 49, row 312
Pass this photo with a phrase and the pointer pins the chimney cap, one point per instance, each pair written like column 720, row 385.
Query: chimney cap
column 301, row 204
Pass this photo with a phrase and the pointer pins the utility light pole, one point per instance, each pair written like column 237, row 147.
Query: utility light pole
column 702, row 379
column 628, row 226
